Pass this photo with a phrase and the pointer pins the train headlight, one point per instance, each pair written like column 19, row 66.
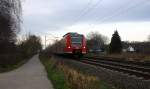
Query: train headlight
column 69, row 47
column 84, row 47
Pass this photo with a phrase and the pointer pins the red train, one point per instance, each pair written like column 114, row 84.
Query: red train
column 71, row 43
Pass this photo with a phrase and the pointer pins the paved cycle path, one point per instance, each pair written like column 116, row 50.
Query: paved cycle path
column 31, row 75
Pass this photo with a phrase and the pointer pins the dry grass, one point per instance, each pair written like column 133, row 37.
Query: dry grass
column 56, row 76
column 65, row 77
column 129, row 56
column 76, row 80
column 147, row 58
column 123, row 56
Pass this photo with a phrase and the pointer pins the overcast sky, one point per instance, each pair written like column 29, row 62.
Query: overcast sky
column 130, row 17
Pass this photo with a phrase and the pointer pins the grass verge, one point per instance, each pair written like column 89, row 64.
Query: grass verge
column 64, row 77
column 9, row 62
column 54, row 75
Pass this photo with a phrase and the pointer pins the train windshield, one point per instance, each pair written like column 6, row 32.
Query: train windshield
column 76, row 40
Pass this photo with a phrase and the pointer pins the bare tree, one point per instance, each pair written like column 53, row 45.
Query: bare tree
column 10, row 22
column 95, row 40
column 30, row 46
column 149, row 38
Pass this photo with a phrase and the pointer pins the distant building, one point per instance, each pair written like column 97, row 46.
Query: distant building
column 138, row 47
column 129, row 49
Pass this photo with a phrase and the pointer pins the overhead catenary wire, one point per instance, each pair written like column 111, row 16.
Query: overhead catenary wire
column 85, row 11
column 89, row 8
column 124, row 10
column 119, row 12
column 86, row 7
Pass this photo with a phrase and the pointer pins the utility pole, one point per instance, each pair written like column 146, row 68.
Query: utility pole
column 45, row 41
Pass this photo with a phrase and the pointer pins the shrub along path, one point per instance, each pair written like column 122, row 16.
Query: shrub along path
column 31, row 75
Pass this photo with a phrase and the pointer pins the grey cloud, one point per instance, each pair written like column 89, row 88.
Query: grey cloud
column 69, row 12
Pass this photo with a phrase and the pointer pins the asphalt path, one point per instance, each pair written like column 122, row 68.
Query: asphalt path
column 31, row 75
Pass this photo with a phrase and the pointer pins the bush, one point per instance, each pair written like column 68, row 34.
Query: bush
column 10, row 61
column 19, row 53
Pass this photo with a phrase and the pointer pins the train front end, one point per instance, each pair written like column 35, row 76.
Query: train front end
column 76, row 44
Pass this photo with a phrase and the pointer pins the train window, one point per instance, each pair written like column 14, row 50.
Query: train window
column 76, row 39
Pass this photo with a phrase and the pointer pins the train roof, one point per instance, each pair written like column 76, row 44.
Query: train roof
column 72, row 33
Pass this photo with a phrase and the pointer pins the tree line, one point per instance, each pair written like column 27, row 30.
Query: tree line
column 116, row 45
column 11, row 52
column 10, row 20
column 98, row 41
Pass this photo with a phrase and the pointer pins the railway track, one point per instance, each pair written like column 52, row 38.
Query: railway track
column 145, row 64
column 130, row 68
